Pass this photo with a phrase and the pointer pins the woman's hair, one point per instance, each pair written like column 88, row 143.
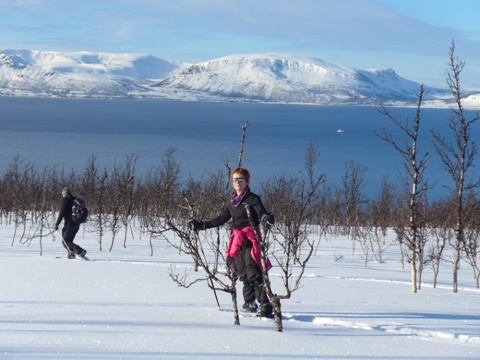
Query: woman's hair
column 243, row 172
column 66, row 190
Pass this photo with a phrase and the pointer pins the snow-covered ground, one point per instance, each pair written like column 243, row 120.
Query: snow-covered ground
column 123, row 305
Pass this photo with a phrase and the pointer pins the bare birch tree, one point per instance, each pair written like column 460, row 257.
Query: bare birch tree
column 292, row 242
column 415, row 165
column 457, row 154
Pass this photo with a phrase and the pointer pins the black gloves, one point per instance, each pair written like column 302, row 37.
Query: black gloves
column 56, row 227
column 268, row 220
column 196, row 225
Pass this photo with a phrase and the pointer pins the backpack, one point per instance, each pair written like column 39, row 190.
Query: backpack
column 79, row 211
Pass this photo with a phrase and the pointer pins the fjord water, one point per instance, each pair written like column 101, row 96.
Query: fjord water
column 67, row 132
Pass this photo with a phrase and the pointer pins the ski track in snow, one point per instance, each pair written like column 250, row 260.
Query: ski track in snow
column 322, row 321
column 132, row 262
column 392, row 282
column 398, row 329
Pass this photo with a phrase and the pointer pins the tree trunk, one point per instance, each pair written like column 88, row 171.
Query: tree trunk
column 277, row 313
column 455, row 269
column 236, row 316
column 413, row 269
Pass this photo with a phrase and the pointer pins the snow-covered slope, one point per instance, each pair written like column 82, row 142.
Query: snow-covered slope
column 271, row 78
column 124, row 305
column 292, row 79
column 82, row 74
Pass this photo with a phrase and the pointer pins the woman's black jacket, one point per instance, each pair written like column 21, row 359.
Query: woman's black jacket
column 238, row 214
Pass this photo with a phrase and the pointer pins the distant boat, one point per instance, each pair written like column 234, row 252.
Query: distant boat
column 340, row 131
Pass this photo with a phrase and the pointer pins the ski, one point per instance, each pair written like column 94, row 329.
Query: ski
column 77, row 258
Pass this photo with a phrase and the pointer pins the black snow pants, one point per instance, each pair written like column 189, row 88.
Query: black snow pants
column 69, row 231
column 251, row 275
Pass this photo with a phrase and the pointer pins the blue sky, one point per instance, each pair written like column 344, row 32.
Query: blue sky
column 411, row 36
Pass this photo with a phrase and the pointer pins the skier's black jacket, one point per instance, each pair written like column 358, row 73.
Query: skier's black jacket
column 238, row 214
column 65, row 210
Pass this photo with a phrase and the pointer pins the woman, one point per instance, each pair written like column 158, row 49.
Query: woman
column 243, row 247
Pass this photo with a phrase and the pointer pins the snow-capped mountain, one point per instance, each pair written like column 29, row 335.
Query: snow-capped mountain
column 292, row 79
column 271, row 78
column 82, row 74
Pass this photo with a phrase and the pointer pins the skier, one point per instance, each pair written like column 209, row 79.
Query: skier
column 70, row 228
column 243, row 252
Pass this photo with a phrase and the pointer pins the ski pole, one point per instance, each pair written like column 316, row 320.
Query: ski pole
column 194, row 237
column 215, row 293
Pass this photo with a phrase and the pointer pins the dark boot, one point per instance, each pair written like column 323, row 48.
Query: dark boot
column 265, row 311
column 250, row 307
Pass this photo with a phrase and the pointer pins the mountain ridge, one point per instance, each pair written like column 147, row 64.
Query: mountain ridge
column 300, row 80
column 266, row 78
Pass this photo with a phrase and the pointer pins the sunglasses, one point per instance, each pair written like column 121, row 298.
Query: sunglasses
column 234, row 180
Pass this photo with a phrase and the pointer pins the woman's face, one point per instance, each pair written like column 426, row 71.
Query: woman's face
column 239, row 183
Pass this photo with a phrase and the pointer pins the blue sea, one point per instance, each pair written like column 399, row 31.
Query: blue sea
column 67, row 132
